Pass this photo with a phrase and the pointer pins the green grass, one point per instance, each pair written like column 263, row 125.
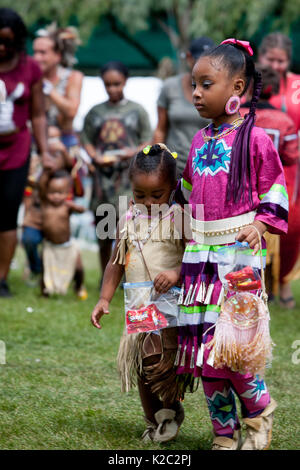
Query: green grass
column 59, row 388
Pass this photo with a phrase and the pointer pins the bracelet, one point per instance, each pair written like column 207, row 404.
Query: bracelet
column 47, row 87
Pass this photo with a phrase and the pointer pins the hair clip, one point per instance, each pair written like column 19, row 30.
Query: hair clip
column 147, row 149
column 238, row 42
column 174, row 154
column 268, row 89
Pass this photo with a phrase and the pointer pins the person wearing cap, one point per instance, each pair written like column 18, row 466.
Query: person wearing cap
column 178, row 120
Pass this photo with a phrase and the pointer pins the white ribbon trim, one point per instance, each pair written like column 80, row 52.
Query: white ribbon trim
column 222, row 231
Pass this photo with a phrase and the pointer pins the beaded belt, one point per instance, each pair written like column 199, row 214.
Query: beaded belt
column 222, row 231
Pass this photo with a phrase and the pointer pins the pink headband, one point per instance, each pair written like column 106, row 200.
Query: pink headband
column 244, row 44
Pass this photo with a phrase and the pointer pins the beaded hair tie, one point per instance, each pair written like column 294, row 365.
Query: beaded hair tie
column 147, row 149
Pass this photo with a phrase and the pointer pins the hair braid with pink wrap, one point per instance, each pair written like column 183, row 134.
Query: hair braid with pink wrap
column 235, row 55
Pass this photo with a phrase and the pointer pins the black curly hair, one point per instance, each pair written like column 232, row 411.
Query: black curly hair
column 158, row 158
column 115, row 65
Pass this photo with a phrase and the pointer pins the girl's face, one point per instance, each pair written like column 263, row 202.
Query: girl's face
column 114, row 83
column 277, row 59
column 151, row 188
column 212, row 87
column 7, row 44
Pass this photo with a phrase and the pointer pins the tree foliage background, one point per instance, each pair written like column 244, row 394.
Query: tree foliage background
column 180, row 19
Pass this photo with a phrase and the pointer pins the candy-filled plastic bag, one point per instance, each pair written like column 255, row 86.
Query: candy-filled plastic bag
column 242, row 339
column 238, row 269
column 145, row 310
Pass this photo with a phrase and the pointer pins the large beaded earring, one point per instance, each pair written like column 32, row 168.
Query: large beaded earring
column 233, row 105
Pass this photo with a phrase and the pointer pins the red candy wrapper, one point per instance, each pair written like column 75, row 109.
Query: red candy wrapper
column 243, row 280
column 145, row 319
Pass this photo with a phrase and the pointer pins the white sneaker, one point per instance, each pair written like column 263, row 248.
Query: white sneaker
column 259, row 429
column 226, row 443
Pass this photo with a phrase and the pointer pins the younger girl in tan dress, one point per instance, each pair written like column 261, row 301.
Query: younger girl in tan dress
column 149, row 247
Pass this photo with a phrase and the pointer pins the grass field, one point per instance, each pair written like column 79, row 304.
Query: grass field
column 59, row 388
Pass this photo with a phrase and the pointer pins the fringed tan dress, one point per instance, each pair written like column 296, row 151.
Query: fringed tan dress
column 150, row 355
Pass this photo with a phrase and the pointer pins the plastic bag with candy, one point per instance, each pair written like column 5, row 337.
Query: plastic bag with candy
column 241, row 338
column 238, row 269
column 145, row 310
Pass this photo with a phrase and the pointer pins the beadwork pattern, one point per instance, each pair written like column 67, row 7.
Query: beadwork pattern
column 227, row 131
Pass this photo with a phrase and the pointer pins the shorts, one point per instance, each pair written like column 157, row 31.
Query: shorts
column 12, row 185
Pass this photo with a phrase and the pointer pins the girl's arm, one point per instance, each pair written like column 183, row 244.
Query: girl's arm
column 39, row 124
column 68, row 105
column 112, row 277
column 249, row 234
column 167, row 279
column 270, row 183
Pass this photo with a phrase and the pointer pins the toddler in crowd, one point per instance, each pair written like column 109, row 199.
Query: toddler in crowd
column 61, row 257
column 32, row 235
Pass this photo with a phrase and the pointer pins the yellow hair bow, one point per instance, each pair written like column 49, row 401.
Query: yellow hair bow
column 147, row 149
column 174, row 154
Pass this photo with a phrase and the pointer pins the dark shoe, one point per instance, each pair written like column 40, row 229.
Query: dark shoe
column 4, row 289
column 288, row 303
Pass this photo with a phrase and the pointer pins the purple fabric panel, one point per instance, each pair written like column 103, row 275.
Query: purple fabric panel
column 275, row 209
column 194, row 269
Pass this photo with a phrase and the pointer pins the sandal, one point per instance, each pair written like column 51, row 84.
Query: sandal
column 288, row 303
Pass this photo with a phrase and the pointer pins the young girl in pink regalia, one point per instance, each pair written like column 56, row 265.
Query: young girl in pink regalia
column 235, row 175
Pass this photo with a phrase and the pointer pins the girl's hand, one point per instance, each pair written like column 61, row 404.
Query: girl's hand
column 250, row 235
column 165, row 280
column 101, row 308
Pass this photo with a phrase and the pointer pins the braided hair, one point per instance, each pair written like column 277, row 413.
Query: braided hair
column 237, row 60
column 158, row 158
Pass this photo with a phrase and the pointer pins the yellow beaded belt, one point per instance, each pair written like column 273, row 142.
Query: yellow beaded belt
column 222, row 231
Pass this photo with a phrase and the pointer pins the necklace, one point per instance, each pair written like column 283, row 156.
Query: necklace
column 227, row 131
column 153, row 224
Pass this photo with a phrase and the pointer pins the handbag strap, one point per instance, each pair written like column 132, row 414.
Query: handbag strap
column 144, row 261
column 262, row 273
column 141, row 251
